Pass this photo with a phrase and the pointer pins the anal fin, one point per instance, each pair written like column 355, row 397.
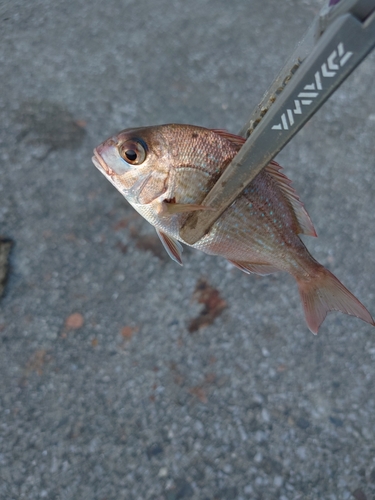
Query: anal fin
column 172, row 246
column 255, row 268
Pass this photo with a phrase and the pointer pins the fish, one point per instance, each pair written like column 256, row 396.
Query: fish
column 165, row 172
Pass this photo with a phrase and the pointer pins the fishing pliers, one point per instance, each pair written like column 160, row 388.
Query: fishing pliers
column 341, row 36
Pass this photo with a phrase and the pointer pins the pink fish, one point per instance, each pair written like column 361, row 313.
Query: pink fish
column 166, row 171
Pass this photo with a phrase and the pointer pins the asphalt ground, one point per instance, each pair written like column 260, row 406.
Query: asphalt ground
column 123, row 375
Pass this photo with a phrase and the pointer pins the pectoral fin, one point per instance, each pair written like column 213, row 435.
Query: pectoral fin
column 170, row 207
column 173, row 247
column 249, row 267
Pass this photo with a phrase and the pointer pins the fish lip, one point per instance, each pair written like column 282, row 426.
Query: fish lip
column 101, row 165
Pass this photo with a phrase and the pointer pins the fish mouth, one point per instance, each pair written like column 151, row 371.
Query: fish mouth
column 101, row 165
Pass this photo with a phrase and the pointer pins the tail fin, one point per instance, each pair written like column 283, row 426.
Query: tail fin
column 324, row 293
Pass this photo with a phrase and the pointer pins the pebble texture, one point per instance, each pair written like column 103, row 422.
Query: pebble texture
column 124, row 376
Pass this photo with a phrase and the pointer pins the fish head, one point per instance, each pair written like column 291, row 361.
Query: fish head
column 136, row 162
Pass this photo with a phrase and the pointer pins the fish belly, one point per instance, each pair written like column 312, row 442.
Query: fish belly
column 260, row 228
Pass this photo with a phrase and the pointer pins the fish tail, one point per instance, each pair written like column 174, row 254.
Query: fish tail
column 322, row 293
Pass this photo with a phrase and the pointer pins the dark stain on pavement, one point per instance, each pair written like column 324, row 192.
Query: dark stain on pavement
column 358, row 494
column 148, row 242
column 213, row 304
column 151, row 243
column 48, row 123
column 181, row 489
column 5, row 249
column 154, row 450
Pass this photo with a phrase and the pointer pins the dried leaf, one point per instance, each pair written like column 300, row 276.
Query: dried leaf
column 74, row 321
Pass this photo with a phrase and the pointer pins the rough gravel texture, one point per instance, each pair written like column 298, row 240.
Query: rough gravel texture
column 107, row 391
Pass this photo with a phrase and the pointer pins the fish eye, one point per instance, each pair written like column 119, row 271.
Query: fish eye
column 133, row 151
column 131, row 155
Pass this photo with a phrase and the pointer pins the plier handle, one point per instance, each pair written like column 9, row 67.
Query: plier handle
column 341, row 36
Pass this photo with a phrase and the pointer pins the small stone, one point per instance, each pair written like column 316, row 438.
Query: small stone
column 52, row 335
column 265, row 352
column 265, row 415
column 278, row 481
column 248, row 490
column 163, row 472
column 260, row 436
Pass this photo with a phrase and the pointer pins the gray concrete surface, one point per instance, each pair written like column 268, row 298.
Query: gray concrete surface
column 115, row 381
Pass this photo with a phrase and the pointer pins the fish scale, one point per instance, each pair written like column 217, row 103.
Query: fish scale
column 246, row 242
column 165, row 173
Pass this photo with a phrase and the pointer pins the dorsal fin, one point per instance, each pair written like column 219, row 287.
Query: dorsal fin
column 304, row 222
column 284, row 184
column 235, row 139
